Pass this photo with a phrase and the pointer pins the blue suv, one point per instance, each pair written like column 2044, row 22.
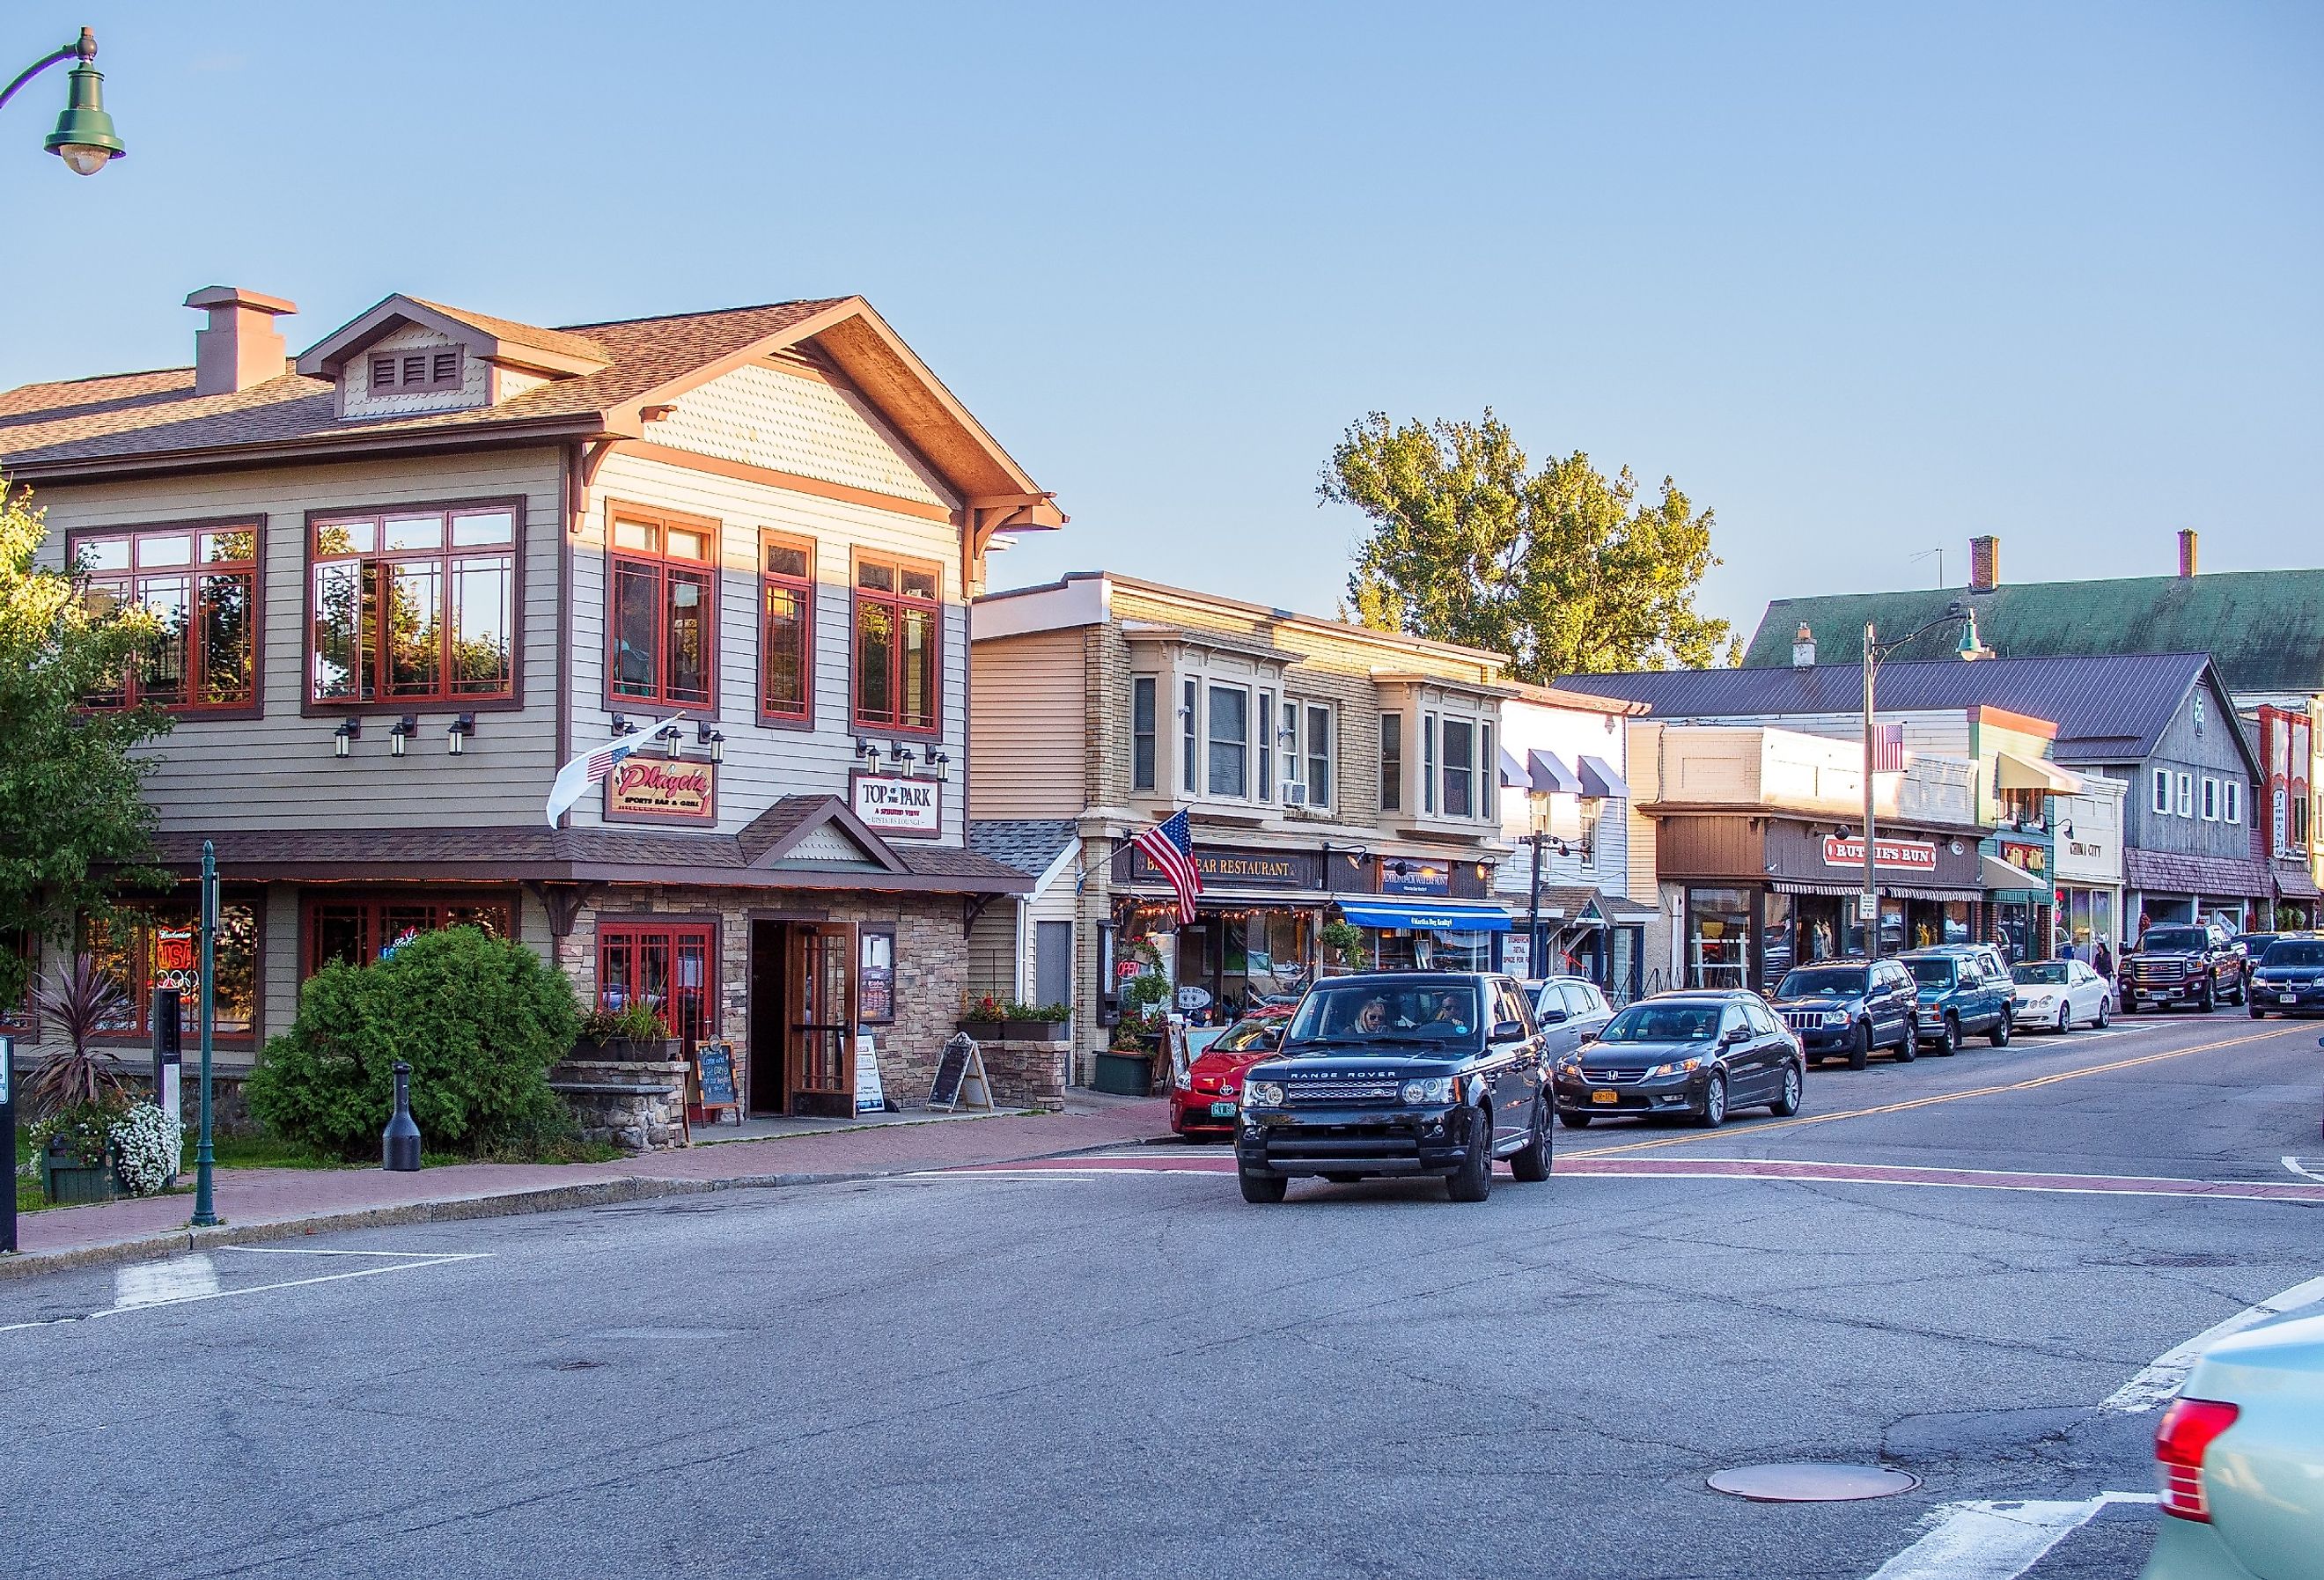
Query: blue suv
column 1964, row 989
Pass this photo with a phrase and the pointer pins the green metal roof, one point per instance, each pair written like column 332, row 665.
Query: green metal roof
column 2264, row 628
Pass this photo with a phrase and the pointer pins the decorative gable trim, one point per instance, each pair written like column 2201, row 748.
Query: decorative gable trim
column 547, row 351
column 777, row 833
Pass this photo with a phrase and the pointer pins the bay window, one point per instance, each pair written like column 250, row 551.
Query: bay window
column 201, row 583
column 669, row 967
column 1428, row 763
column 898, row 644
column 1460, row 768
column 785, row 630
column 414, row 605
column 662, row 619
column 1266, row 742
column 1229, row 741
column 1189, row 700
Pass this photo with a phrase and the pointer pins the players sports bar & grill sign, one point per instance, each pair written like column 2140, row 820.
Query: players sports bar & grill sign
column 652, row 790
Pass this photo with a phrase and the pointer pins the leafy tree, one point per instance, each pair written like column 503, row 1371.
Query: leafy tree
column 73, row 827
column 1563, row 570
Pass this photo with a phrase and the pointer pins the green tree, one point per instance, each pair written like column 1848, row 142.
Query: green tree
column 1563, row 570
column 73, row 827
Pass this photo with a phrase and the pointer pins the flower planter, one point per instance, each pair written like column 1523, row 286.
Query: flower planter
column 1125, row 1075
column 76, row 1185
column 1018, row 1031
column 624, row 1050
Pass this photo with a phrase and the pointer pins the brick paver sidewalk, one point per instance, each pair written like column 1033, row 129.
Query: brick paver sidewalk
column 270, row 1202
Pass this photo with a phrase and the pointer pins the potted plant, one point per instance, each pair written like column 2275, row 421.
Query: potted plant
column 981, row 1015
column 80, row 1003
column 1345, row 941
column 632, row 1034
column 988, row 1019
column 77, row 1153
column 1127, row 1067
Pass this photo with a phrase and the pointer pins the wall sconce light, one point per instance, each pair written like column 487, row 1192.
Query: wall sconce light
column 621, row 725
column 349, row 730
column 401, row 731
column 2066, row 829
column 456, row 733
column 900, row 755
column 716, row 740
column 867, row 750
column 940, row 765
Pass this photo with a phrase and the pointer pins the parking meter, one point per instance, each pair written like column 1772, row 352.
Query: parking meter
column 7, row 1142
column 168, row 1060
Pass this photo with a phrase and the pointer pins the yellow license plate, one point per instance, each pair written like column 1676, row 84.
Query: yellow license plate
column 1605, row 1098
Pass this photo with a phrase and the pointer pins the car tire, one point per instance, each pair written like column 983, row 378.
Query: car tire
column 1263, row 1189
column 2211, row 999
column 1715, row 1103
column 1574, row 1121
column 2106, row 1011
column 1795, row 1085
column 2065, row 1019
column 1474, row 1180
column 1859, row 1052
column 1530, row 1164
column 2257, row 1013
column 1949, row 1043
column 2130, row 1006
column 1910, row 1048
column 1999, row 1035
column 2243, row 989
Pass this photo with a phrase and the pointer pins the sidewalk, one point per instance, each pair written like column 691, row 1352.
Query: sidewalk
column 274, row 1204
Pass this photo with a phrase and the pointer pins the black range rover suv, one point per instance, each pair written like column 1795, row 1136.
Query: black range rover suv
column 1399, row 1073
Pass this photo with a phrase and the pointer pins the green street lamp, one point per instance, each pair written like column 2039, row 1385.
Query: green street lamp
column 84, row 138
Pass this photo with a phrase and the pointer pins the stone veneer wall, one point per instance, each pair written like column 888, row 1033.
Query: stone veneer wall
column 631, row 1104
column 1031, row 1074
column 931, row 962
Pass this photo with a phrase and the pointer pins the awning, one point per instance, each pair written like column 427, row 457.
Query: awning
column 1551, row 777
column 1599, row 779
column 2030, row 773
column 1999, row 876
column 1513, row 772
column 1440, row 916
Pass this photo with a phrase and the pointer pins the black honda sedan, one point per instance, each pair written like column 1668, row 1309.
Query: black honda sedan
column 1701, row 1054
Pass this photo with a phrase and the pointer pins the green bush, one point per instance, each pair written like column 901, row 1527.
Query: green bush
column 479, row 1020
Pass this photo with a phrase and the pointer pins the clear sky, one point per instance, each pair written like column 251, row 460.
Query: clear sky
column 1866, row 280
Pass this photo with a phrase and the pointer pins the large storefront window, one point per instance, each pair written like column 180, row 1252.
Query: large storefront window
column 671, row 967
column 1717, row 938
column 356, row 930
column 202, row 585
column 1239, row 959
column 129, row 958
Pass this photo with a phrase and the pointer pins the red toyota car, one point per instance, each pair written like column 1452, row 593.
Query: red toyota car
column 1203, row 1110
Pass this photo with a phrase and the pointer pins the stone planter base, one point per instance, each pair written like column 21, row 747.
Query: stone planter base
column 640, row 1104
column 1026, row 1074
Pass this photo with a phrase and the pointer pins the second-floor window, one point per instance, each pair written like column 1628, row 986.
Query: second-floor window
column 2186, row 795
column 663, row 579
column 1319, row 744
column 414, row 606
column 2231, row 800
column 898, row 644
column 785, row 630
column 1141, row 733
column 1460, row 768
column 1229, row 741
column 1391, row 762
column 202, row 585
column 2162, row 792
column 2211, row 799
column 1190, row 694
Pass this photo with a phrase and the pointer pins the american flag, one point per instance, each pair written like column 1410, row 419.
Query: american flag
column 1887, row 748
column 1169, row 844
column 592, row 767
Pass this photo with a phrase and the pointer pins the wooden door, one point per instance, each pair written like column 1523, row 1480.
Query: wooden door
column 820, row 1007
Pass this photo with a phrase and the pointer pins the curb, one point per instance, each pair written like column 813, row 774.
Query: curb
column 553, row 1199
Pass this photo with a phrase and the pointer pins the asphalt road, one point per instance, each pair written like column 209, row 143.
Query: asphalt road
column 1120, row 1369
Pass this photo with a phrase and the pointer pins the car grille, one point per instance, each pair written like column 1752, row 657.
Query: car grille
column 1604, row 1077
column 1340, row 1091
column 1803, row 1019
column 2156, row 970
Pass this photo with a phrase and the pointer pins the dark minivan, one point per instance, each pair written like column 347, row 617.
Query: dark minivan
column 1399, row 1073
column 1848, row 1009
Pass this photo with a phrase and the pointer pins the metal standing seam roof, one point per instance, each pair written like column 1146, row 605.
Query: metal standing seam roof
column 2264, row 628
column 2106, row 708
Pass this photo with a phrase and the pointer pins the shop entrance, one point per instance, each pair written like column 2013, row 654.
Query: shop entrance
column 803, row 1017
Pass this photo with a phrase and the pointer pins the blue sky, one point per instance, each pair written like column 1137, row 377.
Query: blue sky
column 1864, row 279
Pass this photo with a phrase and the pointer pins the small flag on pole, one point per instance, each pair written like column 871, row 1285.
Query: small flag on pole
column 1169, row 844
column 1887, row 748
column 592, row 767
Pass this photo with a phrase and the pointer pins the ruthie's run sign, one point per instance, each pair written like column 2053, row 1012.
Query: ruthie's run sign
column 654, row 789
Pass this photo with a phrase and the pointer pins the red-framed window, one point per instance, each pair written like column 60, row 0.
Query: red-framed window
column 786, row 628
column 355, row 928
column 672, row 966
column 899, row 644
column 202, row 583
column 129, row 958
column 662, row 615
column 414, row 606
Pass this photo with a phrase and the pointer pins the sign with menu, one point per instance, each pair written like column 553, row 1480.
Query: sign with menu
column 657, row 789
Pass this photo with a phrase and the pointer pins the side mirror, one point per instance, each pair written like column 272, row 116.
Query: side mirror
column 1268, row 1040
column 1734, row 1034
column 1551, row 1017
column 1508, row 1031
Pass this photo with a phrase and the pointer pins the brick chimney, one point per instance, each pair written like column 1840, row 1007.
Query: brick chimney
column 1803, row 648
column 1984, row 564
column 2187, row 551
column 242, row 346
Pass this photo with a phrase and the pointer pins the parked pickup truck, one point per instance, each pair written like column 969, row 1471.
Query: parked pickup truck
column 2195, row 964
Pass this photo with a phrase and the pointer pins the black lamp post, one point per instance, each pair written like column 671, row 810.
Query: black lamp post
column 1875, row 650
column 84, row 138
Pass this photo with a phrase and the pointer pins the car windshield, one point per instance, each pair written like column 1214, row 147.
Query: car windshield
column 2051, row 973
column 2191, row 938
column 1823, row 982
column 1932, row 973
column 2295, row 952
column 1376, row 1011
column 1662, row 1023
column 1244, row 1036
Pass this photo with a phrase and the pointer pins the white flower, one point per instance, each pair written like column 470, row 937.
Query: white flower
column 148, row 1147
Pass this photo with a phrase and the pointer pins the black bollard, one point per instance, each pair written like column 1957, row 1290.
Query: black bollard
column 398, row 1144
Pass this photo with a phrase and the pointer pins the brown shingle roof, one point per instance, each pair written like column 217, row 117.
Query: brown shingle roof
column 157, row 412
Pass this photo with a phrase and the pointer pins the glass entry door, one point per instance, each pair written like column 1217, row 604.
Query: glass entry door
column 819, row 1000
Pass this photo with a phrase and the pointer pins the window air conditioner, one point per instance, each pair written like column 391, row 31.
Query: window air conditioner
column 1295, row 795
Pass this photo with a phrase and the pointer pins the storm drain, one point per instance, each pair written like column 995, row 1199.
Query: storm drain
column 1813, row 1484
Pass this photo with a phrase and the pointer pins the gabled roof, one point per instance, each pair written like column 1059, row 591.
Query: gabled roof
column 1030, row 845
column 2265, row 628
column 554, row 351
column 2107, row 708
column 775, row 834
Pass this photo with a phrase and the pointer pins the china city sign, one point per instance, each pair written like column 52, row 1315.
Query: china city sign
column 898, row 806
column 649, row 790
column 1911, row 855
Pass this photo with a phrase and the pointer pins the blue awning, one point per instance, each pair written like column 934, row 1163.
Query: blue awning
column 1441, row 916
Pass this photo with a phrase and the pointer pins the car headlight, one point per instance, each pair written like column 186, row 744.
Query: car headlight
column 1434, row 1089
column 1835, row 1017
column 1677, row 1066
column 1263, row 1094
column 1571, row 1069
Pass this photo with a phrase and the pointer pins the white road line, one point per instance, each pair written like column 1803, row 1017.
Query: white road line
column 184, row 1284
column 313, row 1250
column 1994, row 1538
column 165, row 1283
column 2300, row 1166
column 2162, row 1380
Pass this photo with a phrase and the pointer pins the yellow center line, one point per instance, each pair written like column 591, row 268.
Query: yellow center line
column 2027, row 1086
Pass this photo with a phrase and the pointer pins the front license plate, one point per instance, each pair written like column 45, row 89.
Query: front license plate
column 2287, row 998
column 1605, row 1098
column 1222, row 1110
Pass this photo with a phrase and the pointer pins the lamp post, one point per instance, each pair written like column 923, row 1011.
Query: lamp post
column 1538, row 816
column 205, row 1159
column 1867, row 905
column 84, row 138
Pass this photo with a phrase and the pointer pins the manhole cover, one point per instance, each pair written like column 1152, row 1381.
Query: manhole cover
column 1813, row 1484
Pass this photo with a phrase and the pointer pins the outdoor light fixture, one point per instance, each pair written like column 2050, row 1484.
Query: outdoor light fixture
column 867, row 748
column 941, row 763
column 703, row 736
column 84, row 138
column 349, row 730
column 900, row 754
column 458, row 733
column 621, row 725
column 1970, row 648
column 401, row 731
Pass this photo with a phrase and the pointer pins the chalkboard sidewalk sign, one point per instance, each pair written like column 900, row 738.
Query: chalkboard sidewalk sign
column 714, row 1082
column 960, row 1080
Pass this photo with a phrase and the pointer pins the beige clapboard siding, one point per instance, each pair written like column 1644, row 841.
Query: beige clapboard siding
column 764, row 765
column 278, row 770
column 1028, row 697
